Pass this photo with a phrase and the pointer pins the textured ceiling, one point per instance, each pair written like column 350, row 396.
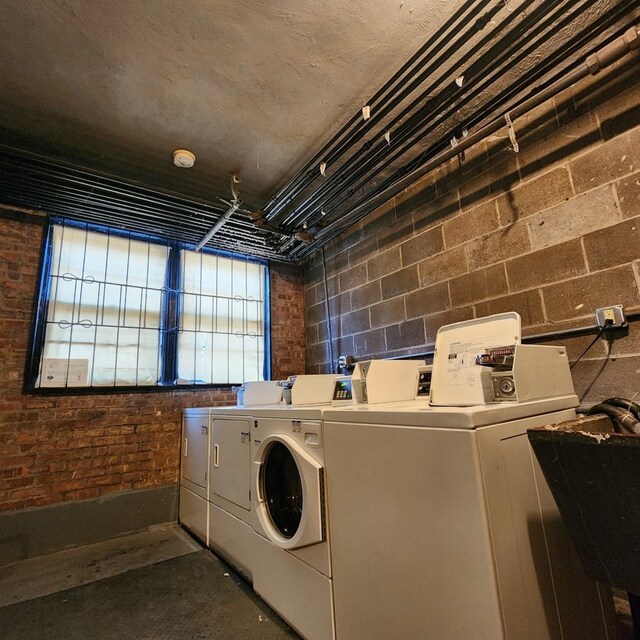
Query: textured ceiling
column 270, row 90
column 249, row 86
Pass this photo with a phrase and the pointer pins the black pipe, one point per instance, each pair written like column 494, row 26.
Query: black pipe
column 603, row 58
column 341, row 179
column 328, row 312
column 538, row 337
column 475, row 115
column 421, row 123
column 28, row 161
column 309, row 172
column 380, row 113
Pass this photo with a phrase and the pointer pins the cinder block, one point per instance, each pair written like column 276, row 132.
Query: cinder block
column 541, row 150
column 310, row 296
column 608, row 162
column 432, row 213
column 433, row 322
column 498, row 176
column 478, row 285
column 353, row 277
column 315, row 314
column 470, row 224
column 343, row 346
column 311, row 333
column 400, row 282
column 428, row 300
column 384, row 263
column 340, row 304
column 562, row 261
column 317, row 353
column 582, row 296
column 355, row 322
column 598, row 379
column 366, row 295
column 614, row 245
column 365, row 249
column 398, row 230
column 629, row 195
column 442, row 267
column 622, row 111
column 423, row 246
column 407, row 334
column 499, row 245
column 368, row 343
column 337, row 262
column 535, row 195
column 387, row 312
column 573, row 218
column 528, row 304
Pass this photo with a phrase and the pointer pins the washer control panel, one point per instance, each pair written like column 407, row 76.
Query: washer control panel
column 342, row 390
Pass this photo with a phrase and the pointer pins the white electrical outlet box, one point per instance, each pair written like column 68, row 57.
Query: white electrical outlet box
column 612, row 317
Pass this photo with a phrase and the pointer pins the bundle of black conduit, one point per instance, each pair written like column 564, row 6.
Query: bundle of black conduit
column 624, row 414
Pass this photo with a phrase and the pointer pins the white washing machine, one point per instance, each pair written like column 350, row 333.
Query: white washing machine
column 292, row 570
column 292, row 567
column 233, row 517
column 441, row 523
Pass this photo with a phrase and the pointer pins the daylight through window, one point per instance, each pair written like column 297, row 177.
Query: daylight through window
column 112, row 315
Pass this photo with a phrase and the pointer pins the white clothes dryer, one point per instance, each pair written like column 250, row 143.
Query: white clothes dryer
column 215, row 481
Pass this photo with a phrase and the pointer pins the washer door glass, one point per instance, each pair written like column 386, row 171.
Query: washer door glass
column 282, row 489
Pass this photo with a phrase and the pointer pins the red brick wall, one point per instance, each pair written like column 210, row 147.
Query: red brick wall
column 54, row 449
column 551, row 232
column 287, row 321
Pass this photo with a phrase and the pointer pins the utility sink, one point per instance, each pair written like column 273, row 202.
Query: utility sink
column 594, row 475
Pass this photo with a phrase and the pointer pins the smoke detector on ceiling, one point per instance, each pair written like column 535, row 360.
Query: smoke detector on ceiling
column 183, row 158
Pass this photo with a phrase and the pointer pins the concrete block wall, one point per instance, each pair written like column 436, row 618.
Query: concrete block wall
column 56, row 449
column 551, row 232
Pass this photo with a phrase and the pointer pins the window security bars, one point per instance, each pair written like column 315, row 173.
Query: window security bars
column 111, row 315
column 221, row 333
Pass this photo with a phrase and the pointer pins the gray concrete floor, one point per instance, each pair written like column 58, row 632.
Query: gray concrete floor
column 158, row 584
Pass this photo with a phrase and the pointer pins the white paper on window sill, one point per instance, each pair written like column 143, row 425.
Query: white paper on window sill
column 61, row 372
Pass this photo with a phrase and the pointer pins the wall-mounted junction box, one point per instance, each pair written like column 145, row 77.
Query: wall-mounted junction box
column 612, row 317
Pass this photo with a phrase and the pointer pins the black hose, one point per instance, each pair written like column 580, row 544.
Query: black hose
column 629, row 405
column 623, row 414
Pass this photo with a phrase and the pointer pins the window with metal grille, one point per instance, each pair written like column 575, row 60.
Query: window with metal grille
column 124, row 310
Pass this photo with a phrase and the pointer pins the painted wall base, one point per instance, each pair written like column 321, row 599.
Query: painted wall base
column 33, row 532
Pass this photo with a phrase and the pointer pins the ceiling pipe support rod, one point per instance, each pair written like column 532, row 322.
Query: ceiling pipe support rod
column 219, row 223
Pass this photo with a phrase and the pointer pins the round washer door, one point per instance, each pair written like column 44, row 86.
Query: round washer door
column 289, row 493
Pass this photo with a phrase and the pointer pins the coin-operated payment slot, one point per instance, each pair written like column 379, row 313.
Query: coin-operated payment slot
column 519, row 373
column 424, row 382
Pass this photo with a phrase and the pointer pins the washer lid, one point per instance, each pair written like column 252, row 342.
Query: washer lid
column 456, row 379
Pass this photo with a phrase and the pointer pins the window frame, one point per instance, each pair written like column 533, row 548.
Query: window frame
column 170, row 314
